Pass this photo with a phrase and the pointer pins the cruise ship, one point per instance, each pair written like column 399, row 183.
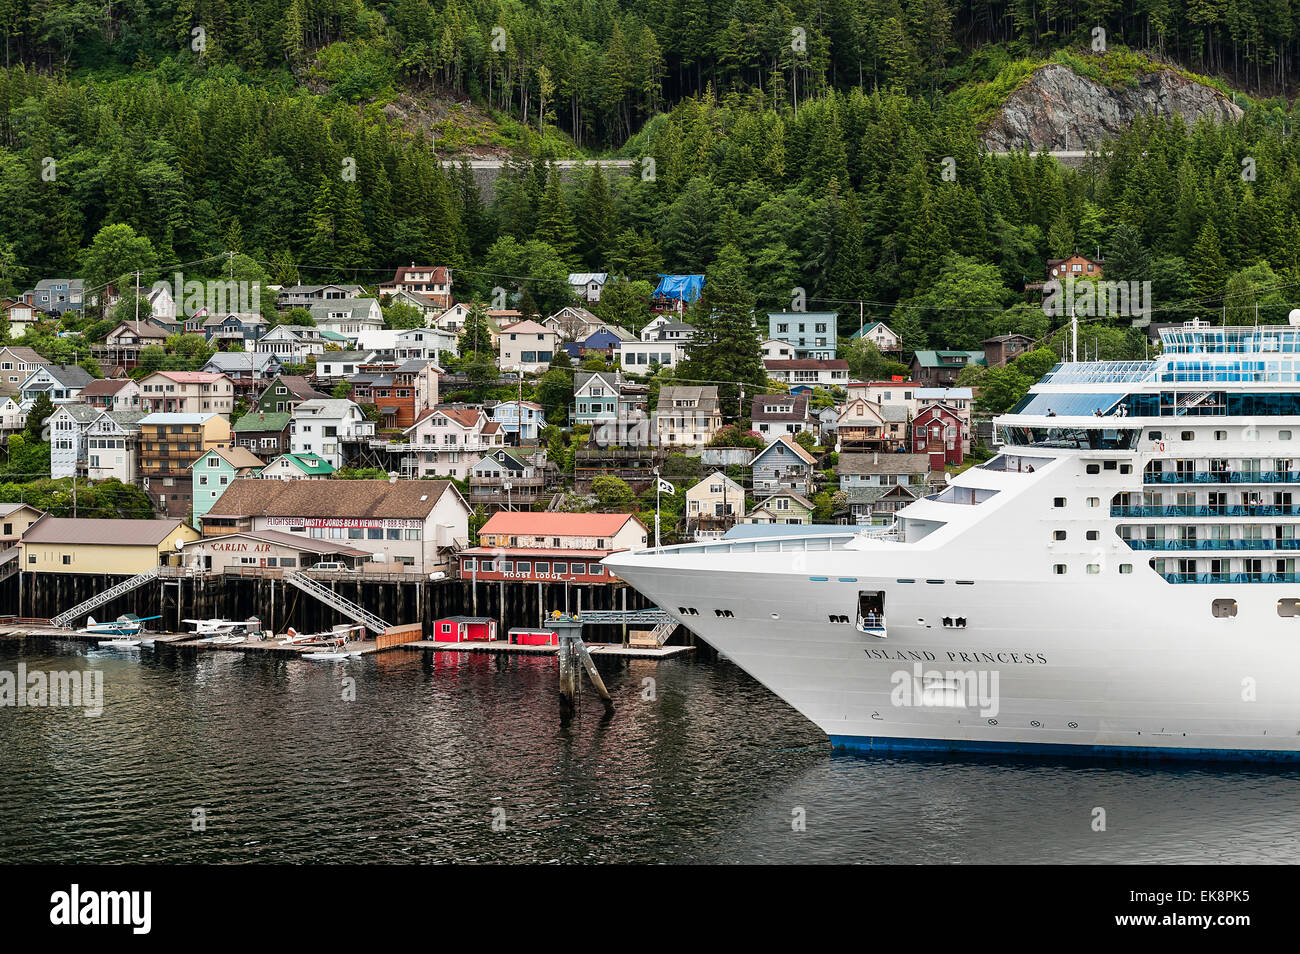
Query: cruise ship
column 1118, row 580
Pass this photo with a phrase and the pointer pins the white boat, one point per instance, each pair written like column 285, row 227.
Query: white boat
column 1119, row 580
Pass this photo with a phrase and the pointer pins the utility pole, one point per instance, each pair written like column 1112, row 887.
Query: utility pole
column 137, row 296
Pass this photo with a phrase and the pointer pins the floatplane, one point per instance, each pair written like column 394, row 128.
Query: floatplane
column 334, row 640
column 224, row 631
column 124, row 629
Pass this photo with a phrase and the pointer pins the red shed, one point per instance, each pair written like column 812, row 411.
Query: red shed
column 458, row 629
column 937, row 429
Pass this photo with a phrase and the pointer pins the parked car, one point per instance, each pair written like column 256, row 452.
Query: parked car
column 330, row 566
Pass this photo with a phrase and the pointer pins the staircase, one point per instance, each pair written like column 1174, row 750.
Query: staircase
column 662, row 631
column 99, row 599
column 341, row 603
column 664, row 625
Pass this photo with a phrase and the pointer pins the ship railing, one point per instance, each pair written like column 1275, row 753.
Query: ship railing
column 1270, row 544
column 1231, row 577
column 1227, row 510
column 1224, row 477
column 769, row 545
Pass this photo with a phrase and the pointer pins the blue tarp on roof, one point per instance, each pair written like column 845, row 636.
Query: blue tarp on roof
column 685, row 288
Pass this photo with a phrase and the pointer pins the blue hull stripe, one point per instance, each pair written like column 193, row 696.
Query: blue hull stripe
column 877, row 745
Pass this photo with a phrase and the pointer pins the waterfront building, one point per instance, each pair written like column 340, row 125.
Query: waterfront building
column 406, row 524
column 550, row 547
column 92, row 545
column 261, row 550
column 15, row 518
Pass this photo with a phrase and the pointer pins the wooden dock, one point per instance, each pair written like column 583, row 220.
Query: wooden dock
column 501, row 647
column 366, row 647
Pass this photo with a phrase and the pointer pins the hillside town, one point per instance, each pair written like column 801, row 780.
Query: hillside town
column 469, row 441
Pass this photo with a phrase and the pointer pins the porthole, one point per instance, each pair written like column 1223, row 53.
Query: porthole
column 1093, row 535
column 1288, row 607
column 1223, row 608
column 1093, row 469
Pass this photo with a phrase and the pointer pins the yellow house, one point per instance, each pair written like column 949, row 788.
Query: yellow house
column 119, row 547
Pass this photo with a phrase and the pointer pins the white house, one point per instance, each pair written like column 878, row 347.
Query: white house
column 526, row 346
column 320, row 426
column 162, row 305
column 12, row 418
column 637, row 356
column 447, row 442
column 882, row 336
column 809, row 371
column 61, row 382
column 774, row 414
column 398, row 345
column 348, row 317
column 453, row 319
column 68, row 425
column 525, row 419
column 297, row 467
column 774, row 349
column 111, row 446
column 336, row 365
column 292, row 344
column 588, row 285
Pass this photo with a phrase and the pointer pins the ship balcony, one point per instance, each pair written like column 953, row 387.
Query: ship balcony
column 1290, row 544
column 1226, row 510
column 1224, row 477
column 1231, row 577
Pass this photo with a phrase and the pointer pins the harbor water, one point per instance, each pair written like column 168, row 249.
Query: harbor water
column 412, row 756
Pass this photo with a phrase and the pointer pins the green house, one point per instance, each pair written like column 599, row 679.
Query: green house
column 215, row 471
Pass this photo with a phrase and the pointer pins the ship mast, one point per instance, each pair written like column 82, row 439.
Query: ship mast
column 1074, row 332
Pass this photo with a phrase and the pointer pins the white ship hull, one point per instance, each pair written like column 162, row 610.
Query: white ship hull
column 1126, row 676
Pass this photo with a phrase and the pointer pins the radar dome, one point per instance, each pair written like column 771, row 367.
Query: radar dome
column 1294, row 316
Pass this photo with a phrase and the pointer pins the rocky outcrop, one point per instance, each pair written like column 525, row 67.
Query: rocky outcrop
column 1057, row 109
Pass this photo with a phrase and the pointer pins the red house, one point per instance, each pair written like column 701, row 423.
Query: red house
column 938, row 431
column 459, row 629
